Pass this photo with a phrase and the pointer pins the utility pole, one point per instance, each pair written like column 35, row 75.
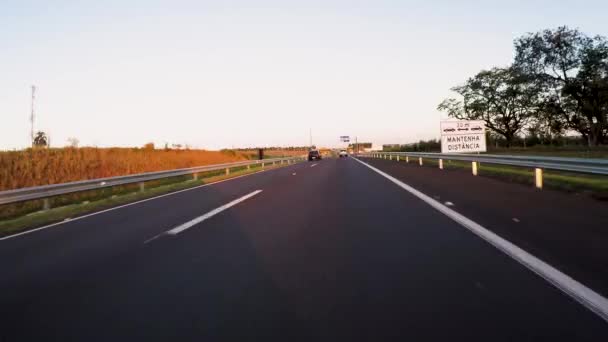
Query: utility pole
column 310, row 136
column 32, row 115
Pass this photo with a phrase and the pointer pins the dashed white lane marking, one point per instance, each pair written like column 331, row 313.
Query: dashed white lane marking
column 313, row 165
column 210, row 214
column 579, row 292
column 449, row 204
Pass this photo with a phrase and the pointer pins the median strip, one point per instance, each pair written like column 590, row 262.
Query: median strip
column 56, row 216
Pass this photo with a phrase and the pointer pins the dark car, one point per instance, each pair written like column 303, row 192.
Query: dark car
column 314, row 154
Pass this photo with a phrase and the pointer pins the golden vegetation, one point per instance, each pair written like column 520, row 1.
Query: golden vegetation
column 34, row 167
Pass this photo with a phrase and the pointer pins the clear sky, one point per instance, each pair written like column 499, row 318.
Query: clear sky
column 216, row 74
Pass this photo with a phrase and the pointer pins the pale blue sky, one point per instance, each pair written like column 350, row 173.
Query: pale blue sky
column 216, row 74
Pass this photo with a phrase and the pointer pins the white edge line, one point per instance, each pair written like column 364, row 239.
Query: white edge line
column 579, row 292
column 133, row 203
column 189, row 224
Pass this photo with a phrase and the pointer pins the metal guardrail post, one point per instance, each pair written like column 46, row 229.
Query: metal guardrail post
column 474, row 168
column 227, row 171
column 538, row 178
column 390, row 157
column 441, row 164
column 194, row 176
column 397, row 158
column 46, row 204
column 262, row 165
column 248, row 167
column 142, row 186
column 407, row 159
column 420, row 161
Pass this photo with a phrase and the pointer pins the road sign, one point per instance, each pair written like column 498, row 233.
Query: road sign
column 344, row 138
column 463, row 136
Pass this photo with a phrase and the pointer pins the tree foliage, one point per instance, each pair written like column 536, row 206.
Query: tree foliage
column 73, row 142
column 504, row 98
column 557, row 84
column 41, row 139
column 572, row 69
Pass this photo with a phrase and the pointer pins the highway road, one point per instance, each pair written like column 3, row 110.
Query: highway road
column 329, row 250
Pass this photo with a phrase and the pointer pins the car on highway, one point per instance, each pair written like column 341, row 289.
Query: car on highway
column 343, row 154
column 314, row 154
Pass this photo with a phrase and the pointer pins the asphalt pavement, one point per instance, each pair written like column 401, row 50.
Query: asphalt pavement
column 328, row 252
column 567, row 230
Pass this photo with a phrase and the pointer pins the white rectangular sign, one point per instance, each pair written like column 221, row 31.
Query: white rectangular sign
column 463, row 136
column 344, row 138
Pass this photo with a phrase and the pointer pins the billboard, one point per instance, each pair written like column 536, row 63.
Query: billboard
column 463, row 136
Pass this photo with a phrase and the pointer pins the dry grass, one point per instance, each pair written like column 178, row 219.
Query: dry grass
column 273, row 153
column 26, row 168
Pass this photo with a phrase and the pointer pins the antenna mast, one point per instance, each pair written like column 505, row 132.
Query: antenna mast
column 32, row 115
column 310, row 136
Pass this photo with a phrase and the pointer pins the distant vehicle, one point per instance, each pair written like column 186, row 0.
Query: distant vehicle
column 449, row 130
column 476, row 128
column 314, row 154
column 343, row 154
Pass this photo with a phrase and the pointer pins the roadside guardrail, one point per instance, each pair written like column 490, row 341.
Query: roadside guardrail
column 538, row 163
column 46, row 191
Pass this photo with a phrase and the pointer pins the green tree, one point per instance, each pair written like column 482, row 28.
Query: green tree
column 572, row 70
column 505, row 98
column 41, row 139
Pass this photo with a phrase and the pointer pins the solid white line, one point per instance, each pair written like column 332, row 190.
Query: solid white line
column 210, row 214
column 579, row 292
column 132, row 203
column 313, row 165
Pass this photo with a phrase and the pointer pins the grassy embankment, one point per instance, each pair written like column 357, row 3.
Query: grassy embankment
column 40, row 167
column 595, row 185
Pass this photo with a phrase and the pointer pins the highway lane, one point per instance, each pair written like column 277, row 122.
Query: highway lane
column 332, row 252
column 567, row 230
column 59, row 250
